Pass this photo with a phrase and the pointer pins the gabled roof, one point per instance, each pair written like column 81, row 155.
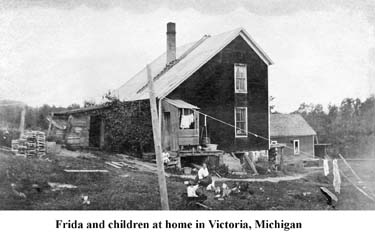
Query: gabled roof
column 190, row 58
column 289, row 125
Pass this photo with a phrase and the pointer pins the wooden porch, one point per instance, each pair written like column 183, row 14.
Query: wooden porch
column 180, row 125
column 212, row 158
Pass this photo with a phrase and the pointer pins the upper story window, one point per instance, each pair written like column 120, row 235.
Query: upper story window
column 240, row 78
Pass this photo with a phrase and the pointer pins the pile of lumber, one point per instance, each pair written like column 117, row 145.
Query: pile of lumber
column 119, row 164
column 31, row 144
column 40, row 143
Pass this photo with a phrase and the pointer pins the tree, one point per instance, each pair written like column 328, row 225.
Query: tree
column 350, row 127
column 89, row 103
column 73, row 106
column 315, row 116
column 272, row 105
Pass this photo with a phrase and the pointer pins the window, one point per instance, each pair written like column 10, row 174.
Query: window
column 240, row 116
column 296, row 147
column 240, row 78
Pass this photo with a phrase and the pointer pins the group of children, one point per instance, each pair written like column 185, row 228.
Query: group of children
column 202, row 180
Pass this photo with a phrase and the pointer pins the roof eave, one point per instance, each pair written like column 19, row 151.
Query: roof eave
column 291, row 135
column 261, row 53
column 80, row 110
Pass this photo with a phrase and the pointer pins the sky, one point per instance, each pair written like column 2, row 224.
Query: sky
column 62, row 52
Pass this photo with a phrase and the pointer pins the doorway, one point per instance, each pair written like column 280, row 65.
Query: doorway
column 94, row 132
column 167, row 129
column 296, row 146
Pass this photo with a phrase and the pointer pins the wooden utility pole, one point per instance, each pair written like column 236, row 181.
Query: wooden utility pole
column 22, row 121
column 157, row 143
column 49, row 124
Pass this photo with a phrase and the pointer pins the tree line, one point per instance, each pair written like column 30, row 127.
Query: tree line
column 348, row 127
column 35, row 117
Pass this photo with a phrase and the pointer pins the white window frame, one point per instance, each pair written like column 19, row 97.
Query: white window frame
column 235, row 123
column 296, row 152
column 235, row 78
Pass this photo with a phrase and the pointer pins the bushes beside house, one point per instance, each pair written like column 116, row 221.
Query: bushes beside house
column 128, row 127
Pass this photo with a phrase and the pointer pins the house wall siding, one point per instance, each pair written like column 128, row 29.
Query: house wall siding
column 78, row 134
column 211, row 88
column 306, row 145
column 174, row 125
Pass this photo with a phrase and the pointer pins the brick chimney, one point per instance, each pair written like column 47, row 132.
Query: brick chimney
column 171, row 42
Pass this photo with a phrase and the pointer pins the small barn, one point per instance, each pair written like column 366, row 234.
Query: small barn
column 295, row 132
column 224, row 76
column 78, row 128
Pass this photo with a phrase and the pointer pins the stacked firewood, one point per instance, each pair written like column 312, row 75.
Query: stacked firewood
column 31, row 144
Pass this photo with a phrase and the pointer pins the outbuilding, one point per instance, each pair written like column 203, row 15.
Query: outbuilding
column 295, row 132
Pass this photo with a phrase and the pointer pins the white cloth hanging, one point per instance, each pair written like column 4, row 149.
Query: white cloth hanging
column 336, row 176
column 326, row 167
column 186, row 121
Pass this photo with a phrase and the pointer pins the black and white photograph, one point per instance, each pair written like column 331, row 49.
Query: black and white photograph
column 187, row 105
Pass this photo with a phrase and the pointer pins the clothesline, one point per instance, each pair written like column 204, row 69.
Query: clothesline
column 251, row 133
column 267, row 139
column 355, row 174
column 358, row 188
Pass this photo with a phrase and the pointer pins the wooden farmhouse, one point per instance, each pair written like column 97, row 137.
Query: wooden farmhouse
column 293, row 131
column 212, row 90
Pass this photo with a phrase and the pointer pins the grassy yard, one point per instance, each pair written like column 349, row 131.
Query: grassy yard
column 133, row 189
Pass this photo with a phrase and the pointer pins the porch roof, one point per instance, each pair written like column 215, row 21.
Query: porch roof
column 180, row 104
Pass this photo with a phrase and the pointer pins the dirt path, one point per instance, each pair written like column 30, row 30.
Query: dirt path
column 151, row 167
column 267, row 179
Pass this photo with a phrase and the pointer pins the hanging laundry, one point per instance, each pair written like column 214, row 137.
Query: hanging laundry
column 336, row 176
column 326, row 167
column 186, row 121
